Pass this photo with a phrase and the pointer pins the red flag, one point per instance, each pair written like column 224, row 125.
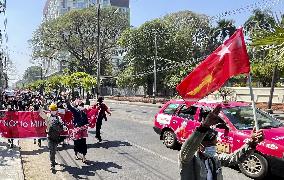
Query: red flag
column 226, row 61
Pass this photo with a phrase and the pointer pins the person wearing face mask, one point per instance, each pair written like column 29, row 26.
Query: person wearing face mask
column 198, row 159
column 54, row 127
column 80, row 122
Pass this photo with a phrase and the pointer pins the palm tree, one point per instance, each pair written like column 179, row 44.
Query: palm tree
column 224, row 29
column 273, row 37
column 260, row 20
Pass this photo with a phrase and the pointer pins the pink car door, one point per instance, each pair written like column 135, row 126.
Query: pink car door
column 185, row 119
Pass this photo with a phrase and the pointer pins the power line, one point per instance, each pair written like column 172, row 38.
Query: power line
column 262, row 5
column 250, row 7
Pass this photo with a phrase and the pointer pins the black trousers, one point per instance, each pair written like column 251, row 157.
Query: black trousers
column 98, row 128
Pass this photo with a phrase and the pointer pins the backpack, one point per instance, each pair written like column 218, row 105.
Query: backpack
column 55, row 130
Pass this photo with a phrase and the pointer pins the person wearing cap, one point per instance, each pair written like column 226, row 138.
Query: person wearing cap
column 198, row 159
column 49, row 118
column 101, row 115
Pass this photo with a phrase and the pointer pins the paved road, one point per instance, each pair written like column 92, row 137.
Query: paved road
column 130, row 150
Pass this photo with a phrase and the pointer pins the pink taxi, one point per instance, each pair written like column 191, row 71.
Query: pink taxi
column 175, row 122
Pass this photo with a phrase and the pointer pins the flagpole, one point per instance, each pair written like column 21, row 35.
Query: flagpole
column 253, row 103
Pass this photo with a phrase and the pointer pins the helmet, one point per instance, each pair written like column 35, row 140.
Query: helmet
column 53, row 107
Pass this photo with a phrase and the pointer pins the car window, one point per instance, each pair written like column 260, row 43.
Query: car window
column 242, row 118
column 187, row 112
column 171, row 109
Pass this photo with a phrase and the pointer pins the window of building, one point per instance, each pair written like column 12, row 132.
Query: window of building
column 64, row 3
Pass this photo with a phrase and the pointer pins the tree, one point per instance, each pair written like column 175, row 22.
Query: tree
column 80, row 80
column 182, row 40
column 260, row 20
column 224, row 29
column 273, row 36
column 32, row 73
column 76, row 33
column 55, row 82
column 36, row 85
column 127, row 79
column 262, row 72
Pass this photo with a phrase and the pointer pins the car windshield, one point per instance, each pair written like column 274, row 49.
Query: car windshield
column 242, row 118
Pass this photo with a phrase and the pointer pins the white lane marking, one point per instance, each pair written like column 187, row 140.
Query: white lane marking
column 152, row 152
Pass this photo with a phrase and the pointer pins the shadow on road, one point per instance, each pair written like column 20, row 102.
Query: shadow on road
column 7, row 153
column 35, row 152
column 109, row 144
column 90, row 169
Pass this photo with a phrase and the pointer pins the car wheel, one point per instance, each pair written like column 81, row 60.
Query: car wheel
column 255, row 166
column 169, row 139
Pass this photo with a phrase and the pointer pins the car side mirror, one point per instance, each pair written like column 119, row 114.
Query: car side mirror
column 222, row 126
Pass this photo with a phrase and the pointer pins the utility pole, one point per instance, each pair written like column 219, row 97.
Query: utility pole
column 41, row 78
column 155, row 70
column 274, row 76
column 98, row 52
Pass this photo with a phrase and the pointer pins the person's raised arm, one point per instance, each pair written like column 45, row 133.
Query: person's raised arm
column 191, row 145
column 244, row 152
column 70, row 107
column 42, row 113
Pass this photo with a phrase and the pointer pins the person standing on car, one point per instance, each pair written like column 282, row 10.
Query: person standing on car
column 54, row 127
column 102, row 108
column 198, row 159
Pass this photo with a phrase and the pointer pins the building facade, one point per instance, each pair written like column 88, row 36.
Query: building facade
column 55, row 8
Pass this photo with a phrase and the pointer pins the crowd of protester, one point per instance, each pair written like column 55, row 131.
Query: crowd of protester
column 51, row 107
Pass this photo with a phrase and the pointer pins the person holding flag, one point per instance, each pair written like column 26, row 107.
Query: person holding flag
column 198, row 158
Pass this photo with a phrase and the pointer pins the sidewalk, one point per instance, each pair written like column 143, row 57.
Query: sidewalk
column 10, row 161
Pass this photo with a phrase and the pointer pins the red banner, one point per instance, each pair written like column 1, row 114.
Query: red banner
column 26, row 124
column 92, row 116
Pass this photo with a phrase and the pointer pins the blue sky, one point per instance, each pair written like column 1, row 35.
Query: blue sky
column 24, row 16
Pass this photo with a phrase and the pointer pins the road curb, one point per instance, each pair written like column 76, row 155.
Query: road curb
column 22, row 165
column 134, row 103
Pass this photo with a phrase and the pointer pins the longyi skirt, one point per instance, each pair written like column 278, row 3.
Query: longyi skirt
column 80, row 146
